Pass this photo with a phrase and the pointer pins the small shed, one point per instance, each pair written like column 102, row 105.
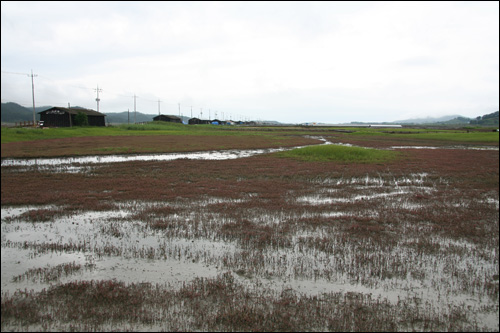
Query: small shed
column 65, row 117
column 169, row 118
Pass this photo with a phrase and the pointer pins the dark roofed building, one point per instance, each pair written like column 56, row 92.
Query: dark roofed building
column 172, row 119
column 197, row 121
column 65, row 117
column 217, row 122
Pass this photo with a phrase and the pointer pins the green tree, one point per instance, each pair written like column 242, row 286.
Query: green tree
column 81, row 119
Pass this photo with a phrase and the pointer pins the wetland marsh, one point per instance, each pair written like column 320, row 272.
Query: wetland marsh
column 268, row 242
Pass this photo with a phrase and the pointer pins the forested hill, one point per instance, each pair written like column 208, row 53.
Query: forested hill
column 13, row 112
column 486, row 120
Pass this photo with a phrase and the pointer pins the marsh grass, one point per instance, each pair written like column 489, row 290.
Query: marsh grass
column 341, row 154
column 166, row 129
column 48, row 274
column 451, row 136
column 405, row 245
column 216, row 304
column 153, row 142
column 462, row 135
column 9, row 135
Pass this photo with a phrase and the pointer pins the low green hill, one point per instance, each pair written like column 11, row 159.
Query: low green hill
column 486, row 120
column 13, row 112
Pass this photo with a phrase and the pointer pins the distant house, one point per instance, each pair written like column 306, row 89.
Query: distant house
column 65, row 117
column 197, row 121
column 217, row 122
column 194, row 121
column 172, row 119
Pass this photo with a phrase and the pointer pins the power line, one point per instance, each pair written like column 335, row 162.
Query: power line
column 109, row 92
column 15, row 73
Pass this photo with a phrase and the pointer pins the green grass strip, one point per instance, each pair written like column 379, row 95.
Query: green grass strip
column 154, row 128
column 456, row 136
column 472, row 137
column 340, row 154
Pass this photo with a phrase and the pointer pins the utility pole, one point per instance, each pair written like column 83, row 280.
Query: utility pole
column 33, row 94
column 179, row 109
column 191, row 111
column 135, row 110
column 158, row 107
column 97, row 99
column 201, row 113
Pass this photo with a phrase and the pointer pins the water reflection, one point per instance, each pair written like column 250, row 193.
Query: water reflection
column 206, row 155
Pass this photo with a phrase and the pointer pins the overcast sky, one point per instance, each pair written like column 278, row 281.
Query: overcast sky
column 330, row 62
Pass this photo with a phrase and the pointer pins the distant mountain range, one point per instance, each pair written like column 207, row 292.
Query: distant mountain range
column 453, row 120
column 428, row 120
column 13, row 112
column 485, row 120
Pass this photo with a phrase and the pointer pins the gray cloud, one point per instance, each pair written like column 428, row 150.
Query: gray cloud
column 288, row 61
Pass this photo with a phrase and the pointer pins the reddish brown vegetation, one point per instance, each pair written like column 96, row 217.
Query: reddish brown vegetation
column 218, row 304
column 268, row 176
column 365, row 237
column 104, row 145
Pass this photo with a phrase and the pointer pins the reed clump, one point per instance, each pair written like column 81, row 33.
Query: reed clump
column 217, row 304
